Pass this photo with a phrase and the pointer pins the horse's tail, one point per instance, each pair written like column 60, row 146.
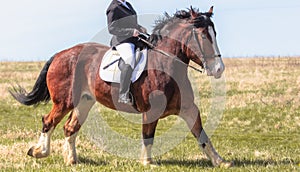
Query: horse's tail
column 40, row 92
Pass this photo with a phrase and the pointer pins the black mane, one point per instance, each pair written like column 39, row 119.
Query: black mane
column 203, row 20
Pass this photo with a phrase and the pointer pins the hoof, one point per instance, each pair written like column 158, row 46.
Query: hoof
column 37, row 152
column 70, row 159
column 30, row 152
column 149, row 162
column 71, row 162
column 226, row 164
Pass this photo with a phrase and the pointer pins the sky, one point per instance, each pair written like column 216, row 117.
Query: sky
column 34, row 30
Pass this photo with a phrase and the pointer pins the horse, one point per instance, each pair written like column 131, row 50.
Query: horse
column 71, row 80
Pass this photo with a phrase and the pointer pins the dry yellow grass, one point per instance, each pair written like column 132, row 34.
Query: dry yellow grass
column 259, row 129
column 257, row 75
column 23, row 73
column 15, row 155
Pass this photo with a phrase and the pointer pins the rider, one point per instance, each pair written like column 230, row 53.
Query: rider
column 123, row 25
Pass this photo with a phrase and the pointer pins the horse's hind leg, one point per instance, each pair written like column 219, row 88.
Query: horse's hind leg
column 193, row 120
column 42, row 148
column 72, row 126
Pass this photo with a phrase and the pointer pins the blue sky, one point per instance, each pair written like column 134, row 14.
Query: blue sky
column 34, row 30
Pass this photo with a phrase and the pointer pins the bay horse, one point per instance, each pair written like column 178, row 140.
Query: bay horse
column 71, row 80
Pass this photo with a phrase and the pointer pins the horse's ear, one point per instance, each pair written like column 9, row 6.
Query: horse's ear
column 193, row 13
column 211, row 10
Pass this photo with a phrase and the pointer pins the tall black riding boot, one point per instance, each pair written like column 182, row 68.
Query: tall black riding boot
column 125, row 81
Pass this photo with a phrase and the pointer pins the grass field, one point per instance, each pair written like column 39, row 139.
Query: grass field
column 259, row 129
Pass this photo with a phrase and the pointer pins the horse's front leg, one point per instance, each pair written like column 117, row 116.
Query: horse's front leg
column 148, row 132
column 193, row 120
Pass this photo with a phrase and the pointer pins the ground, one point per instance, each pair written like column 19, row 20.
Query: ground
column 258, row 130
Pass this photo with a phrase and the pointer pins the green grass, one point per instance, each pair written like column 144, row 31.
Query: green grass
column 259, row 130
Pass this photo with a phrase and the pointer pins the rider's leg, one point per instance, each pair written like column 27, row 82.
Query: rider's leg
column 126, row 65
column 127, row 51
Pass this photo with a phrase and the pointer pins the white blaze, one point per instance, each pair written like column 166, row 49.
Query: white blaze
column 219, row 67
column 214, row 40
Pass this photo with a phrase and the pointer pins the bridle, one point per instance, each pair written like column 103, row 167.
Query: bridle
column 203, row 56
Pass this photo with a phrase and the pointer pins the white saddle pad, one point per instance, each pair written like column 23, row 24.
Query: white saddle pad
column 112, row 73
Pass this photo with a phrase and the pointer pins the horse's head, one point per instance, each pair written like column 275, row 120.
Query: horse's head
column 202, row 45
column 192, row 36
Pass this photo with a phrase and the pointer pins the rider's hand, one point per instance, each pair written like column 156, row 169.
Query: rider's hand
column 135, row 33
column 144, row 30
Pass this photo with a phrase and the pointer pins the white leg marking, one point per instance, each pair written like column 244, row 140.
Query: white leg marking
column 70, row 155
column 42, row 148
column 212, row 154
column 44, row 141
column 146, row 154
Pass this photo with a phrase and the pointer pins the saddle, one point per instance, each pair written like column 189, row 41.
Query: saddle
column 110, row 72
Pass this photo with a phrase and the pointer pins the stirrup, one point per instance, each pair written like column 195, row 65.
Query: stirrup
column 125, row 100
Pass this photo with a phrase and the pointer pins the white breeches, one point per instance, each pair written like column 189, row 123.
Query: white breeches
column 127, row 52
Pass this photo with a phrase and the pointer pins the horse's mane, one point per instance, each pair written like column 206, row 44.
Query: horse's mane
column 203, row 20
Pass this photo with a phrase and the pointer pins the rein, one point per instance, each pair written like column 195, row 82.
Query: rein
column 171, row 56
column 194, row 32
